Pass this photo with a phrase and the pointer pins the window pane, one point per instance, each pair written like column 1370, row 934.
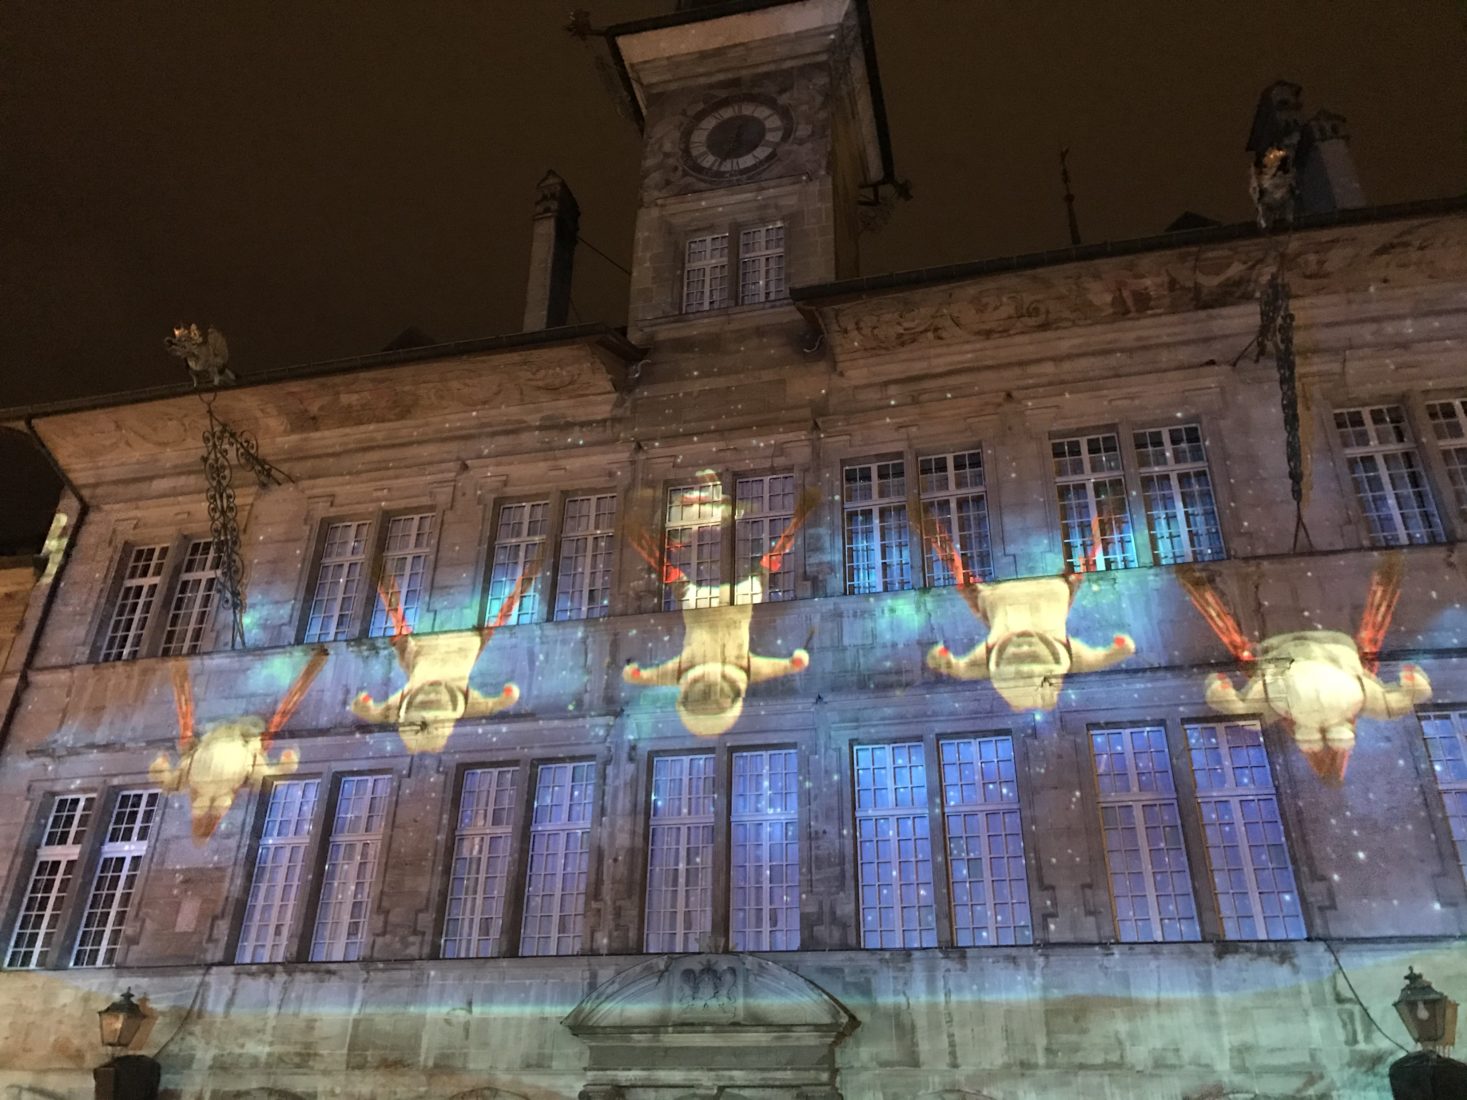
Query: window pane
column 404, row 574
column 764, row 894
column 1181, row 515
column 705, row 273
column 135, row 599
column 761, row 264
column 1446, row 740
column 193, row 600
column 680, row 855
column 475, row 916
column 893, row 846
column 51, row 876
column 555, row 884
column 1150, row 882
column 340, row 578
column 693, row 533
column 519, row 542
column 1092, row 500
column 349, row 882
column 1252, row 874
column 123, row 847
column 878, row 550
column 954, row 500
column 985, row 844
column 583, row 581
column 275, row 887
column 764, row 508
column 1389, row 481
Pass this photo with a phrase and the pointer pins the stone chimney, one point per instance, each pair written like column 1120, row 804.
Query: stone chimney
column 552, row 254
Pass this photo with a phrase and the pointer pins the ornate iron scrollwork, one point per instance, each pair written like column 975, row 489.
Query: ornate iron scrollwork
column 1276, row 332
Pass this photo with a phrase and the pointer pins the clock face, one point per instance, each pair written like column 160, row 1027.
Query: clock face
column 734, row 137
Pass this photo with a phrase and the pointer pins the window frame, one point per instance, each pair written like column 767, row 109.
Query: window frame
column 1420, row 447
column 511, row 909
column 1445, row 473
column 51, row 954
column 86, row 876
column 600, row 777
column 166, row 592
column 359, row 618
column 306, row 890
column 728, row 558
column 552, row 551
column 327, row 808
column 732, row 233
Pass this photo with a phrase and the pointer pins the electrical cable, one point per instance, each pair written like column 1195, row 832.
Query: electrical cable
column 1341, row 968
column 603, row 255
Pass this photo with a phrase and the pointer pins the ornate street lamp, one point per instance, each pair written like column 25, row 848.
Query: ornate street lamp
column 1431, row 1020
column 126, row 1076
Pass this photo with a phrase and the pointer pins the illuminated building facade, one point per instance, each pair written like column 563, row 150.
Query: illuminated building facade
column 911, row 686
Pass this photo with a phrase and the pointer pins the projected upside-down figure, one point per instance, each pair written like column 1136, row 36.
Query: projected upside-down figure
column 437, row 693
column 229, row 756
column 1029, row 649
column 1315, row 683
column 715, row 668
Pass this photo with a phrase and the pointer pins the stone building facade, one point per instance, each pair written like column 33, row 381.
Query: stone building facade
column 596, row 731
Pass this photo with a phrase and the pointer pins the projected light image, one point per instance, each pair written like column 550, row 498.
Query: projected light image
column 230, row 756
column 714, row 670
column 437, row 693
column 1029, row 649
column 1315, row 683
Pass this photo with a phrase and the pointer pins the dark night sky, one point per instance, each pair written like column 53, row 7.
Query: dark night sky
column 312, row 178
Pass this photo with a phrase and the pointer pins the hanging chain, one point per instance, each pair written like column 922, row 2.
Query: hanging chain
column 220, row 440
column 1276, row 331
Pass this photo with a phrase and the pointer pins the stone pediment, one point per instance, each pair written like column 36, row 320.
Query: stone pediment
column 713, row 1019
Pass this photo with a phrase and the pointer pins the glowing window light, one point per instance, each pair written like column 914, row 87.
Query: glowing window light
column 193, row 600
column 1088, row 480
column 115, row 880
column 51, row 877
column 340, row 579
column 878, row 541
column 349, row 884
column 141, row 578
column 1389, row 481
column 403, row 571
column 764, row 896
column 1446, row 742
column 894, row 850
column 555, row 881
column 1449, row 425
column 275, row 886
column 1181, row 514
column 583, row 580
column 519, row 539
column 761, row 264
column 680, row 853
column 473, row 923
column 985, row 842
column 1150, row 881
column 953, row 496
column 1252, row 874
column 705, row 273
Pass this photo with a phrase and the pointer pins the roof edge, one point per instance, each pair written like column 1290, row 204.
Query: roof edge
column 612, row 338
column 820, row 293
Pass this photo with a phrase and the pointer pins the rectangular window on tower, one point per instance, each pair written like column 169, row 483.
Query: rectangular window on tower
column 1150, row 881
column 894, row 847
column 559, row 859
column 985, row 842
column 1252, row 874
column 1446, row 741
column 705, row 273
column 1095, row 526
column 761, row 264
column 680, row 853
column 877, row 536
column 1390, row 483
column 1449, row 426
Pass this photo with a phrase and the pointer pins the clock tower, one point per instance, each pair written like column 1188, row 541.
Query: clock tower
column 764, row 134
